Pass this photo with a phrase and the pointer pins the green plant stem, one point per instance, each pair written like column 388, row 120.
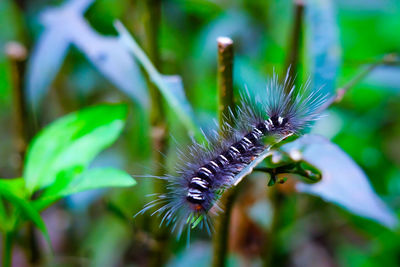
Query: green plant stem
column 151, row 21
column 389, row 59
column 275, row 196
column 295, row 41
column 16, row 54
column 7, row 248
column 269, row 254
column 35, row 253
column 225, row 102
column 221, row 235
column 225, row 79
column 294, row 168
column 159, row 132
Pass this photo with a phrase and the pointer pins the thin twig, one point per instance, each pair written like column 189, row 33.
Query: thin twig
column 389, row 59
column 225, row 78
column 16, row 54
column 275, row 196
column 295, row 41
column 151, row 22
column 269, row 254
column 159, row 131
column 221, row 235
column 226, row 102
column 7, row 249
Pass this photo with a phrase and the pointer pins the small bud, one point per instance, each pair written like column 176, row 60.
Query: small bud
column 15, row 50
column 295, row 155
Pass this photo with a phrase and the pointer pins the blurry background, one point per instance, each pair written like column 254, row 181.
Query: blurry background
column 339, row 39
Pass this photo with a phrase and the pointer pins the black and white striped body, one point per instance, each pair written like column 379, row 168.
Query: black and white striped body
column 204, row 178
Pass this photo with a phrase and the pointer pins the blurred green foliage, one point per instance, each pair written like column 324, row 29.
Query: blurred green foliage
column 365, row 124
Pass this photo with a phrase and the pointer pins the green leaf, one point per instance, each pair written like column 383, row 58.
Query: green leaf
column 98, row 178
column 343, row 182
column 91, row 179
column 27, row 211
column 171, row 87
column 72, row 142
column 15, row 186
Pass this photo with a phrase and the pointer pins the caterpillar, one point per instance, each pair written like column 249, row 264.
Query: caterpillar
column 207, row 169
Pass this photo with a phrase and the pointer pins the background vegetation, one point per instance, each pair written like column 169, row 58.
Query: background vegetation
column 59, row 57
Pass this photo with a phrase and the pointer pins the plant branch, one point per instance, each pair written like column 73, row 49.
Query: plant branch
column 16, row 54
column 276, row 199
column 221, row 234
column 225, row 103
column 389, row 59
column 159, row 131
column 295, row 42
column 291, row 168
column 151, row 22
column 225, row 79
column 7, row 248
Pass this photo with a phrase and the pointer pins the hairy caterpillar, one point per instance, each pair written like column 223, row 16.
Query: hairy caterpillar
column 208, row 169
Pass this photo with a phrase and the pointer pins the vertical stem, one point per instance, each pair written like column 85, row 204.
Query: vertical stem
column 151, row 22
column 295, row 40
column 388, row 59
column 226, row 102
column 225, row 78
column 221, row 235
column 269, row 254
column 276, row 197
column 7, row 249
column 35, row 254
column 16, row 54
column 159, row 131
